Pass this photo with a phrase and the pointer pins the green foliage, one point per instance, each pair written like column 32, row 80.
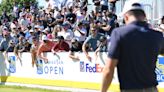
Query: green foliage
column 7, row 5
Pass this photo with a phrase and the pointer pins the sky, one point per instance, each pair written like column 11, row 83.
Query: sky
column 41, row 2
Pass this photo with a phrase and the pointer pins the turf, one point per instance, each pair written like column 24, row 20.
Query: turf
column 24, row 89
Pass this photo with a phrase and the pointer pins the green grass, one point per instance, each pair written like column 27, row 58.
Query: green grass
column 24, row 89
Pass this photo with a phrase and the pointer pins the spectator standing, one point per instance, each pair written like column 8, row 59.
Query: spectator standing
column 134, row 50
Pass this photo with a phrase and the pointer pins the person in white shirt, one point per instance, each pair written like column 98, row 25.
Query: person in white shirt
column 80, row 33
column 66, row 33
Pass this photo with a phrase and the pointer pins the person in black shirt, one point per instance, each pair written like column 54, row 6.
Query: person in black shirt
column 71, row 17
column 11, row 46
column 134, row 50
column 76, row 46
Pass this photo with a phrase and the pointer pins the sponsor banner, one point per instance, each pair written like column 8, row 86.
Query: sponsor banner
column 61, row 67
column 160, row 69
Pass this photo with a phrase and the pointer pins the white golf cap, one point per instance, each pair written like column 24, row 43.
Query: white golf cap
column 44, row 37
column 36, row 26
column 132, row 5
column 31, row 31
column 46, row 29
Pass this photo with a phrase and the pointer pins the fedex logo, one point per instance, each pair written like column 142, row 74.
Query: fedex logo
column 86, row 67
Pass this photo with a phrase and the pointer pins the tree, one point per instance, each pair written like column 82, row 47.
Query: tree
column 7, row 5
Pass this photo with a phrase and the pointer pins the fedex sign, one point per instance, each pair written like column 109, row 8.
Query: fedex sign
column 92, row 68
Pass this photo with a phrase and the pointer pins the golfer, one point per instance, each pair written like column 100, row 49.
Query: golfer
column 134, row 51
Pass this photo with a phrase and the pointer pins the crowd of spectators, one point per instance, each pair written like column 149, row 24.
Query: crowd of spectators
column 58, row 29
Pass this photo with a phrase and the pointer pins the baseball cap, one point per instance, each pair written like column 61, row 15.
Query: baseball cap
column 65, row 24
column 5, row 28
column 102, row 38
column 46, row 30
column 44, row 37
column 74, row 40
column 31, row 31
column 60, row 37
column 132, row 5
column 36, row 26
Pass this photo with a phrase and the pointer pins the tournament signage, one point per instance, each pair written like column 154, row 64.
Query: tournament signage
column 63, row 71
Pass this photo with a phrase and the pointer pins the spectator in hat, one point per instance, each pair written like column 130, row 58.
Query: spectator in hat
column 5, row 40
column 45, row 46
column 60, row 46
column 76, row 46
column 24, row 22
column 15, row 34
column 80, row 32
column 66, row 32
column 37, row 31
column 47, row 32
column 30, row 35
column 70, row 16
column 20, row 47
column 11, row 46
column 102, row 45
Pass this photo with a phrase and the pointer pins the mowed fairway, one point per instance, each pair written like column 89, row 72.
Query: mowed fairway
column 24, row 89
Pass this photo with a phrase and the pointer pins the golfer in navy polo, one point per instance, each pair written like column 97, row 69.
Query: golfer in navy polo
column 134, row 51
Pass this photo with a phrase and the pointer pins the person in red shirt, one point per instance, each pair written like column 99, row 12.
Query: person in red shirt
column 61, row 46
column 45, row 46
